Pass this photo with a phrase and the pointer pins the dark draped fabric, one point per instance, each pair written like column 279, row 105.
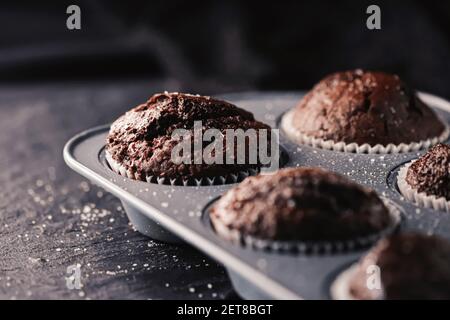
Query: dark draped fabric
column 225, row 45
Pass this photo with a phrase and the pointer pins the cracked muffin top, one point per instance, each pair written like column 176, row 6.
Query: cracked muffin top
column 141, row 140
column 304, row 204
column 431, row 172
column 411, row 266
column 365, row 107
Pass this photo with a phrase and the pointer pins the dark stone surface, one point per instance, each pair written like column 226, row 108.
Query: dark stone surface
column 51, row 218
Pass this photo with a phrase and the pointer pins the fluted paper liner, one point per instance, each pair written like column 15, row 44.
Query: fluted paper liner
column 419, row 198
column 207, row 181
column 309, row 247
column 301, row 138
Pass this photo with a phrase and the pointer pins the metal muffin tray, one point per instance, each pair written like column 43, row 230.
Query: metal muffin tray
column 178, row 213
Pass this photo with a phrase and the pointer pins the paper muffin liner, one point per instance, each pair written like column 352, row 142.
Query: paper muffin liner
column 309, row 247
column 301, row 138
column 419, row 198
column 206, row 181
column 340, row 287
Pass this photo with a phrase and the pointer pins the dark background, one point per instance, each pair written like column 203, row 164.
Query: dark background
column 218, row 46
column 55, row 83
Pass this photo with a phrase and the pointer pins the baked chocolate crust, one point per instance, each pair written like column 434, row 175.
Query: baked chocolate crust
column 412, row 266
column 304, row 204
column 365, row 107
column 142, row 141
column 431, row 172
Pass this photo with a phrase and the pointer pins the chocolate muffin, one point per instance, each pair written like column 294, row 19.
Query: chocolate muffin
column 364, row 107
column 299, row 204
column 141, row 143
column 411, row 266
column 431, row 172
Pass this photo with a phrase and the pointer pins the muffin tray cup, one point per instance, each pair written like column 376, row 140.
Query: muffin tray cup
column 178, row 214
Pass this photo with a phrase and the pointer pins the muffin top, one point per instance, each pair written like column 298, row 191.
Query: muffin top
column 365, row 107
column 412, row 266
column 141, row 139
column 300, row 204
column 431, row 172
